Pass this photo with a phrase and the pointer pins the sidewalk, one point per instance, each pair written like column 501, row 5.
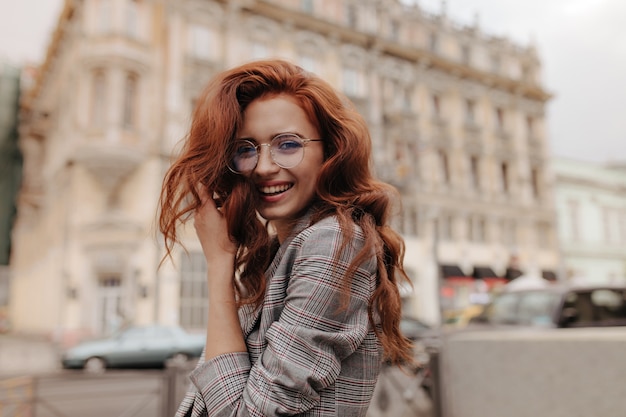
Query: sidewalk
column 27, row 355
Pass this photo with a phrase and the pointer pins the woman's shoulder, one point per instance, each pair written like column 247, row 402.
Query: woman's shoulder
column 329, row 229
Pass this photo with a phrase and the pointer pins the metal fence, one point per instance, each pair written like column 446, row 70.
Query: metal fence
column 76, row 394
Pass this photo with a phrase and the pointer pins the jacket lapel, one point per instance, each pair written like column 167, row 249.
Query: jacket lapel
column 248, row 313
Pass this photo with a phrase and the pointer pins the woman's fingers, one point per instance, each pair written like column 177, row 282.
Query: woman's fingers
column 211, row 226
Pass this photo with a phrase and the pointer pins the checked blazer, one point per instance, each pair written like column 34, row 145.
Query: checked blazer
column 308, row 354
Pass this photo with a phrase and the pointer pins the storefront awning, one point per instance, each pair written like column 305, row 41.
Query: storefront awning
column 452, row 271
column 548, row 275
column 481, row 272
column 512, row 273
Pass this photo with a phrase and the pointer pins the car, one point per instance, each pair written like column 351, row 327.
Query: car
column 148, row 346
column 556, row 305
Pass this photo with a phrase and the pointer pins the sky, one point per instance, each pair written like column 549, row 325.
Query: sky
column 580, row 43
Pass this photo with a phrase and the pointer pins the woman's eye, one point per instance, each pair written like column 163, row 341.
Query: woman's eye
column 286, row 144
column 244, row 150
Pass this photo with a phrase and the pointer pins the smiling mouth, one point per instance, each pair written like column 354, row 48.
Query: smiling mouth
column 275, row 189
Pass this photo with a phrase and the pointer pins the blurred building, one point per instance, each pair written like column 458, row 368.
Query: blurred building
column 10, row 174
column 457, row 119
column 591, row 203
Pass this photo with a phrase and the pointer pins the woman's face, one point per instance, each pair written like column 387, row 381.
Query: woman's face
column 284, row 193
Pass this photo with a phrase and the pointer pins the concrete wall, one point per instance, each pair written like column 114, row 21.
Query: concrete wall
column 553, row 373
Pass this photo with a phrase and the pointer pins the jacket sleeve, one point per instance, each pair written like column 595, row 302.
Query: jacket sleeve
column 317, row 329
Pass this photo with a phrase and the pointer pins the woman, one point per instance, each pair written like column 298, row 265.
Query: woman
column 302, row 266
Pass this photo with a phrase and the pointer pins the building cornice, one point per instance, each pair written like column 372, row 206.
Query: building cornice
column 563, row 179
column 373, row 41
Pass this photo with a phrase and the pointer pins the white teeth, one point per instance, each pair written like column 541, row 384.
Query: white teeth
column 274, row 189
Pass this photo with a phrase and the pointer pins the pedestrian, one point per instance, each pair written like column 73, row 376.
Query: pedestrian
column 303, row 268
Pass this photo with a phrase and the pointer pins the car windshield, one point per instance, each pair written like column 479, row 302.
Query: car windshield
column 533, row 308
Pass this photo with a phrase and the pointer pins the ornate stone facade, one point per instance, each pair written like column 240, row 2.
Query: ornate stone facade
column 457, row 120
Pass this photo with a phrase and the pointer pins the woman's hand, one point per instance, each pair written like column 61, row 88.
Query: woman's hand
column 212, row 230
column 223, row 327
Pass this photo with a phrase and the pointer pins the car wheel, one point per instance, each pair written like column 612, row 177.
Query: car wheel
column 95, row 366
column 178, row 360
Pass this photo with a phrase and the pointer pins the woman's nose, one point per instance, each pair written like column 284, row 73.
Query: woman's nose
column 265, row 164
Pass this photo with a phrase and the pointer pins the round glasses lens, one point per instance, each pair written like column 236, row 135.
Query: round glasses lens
column 245, row 156
column 287, row 150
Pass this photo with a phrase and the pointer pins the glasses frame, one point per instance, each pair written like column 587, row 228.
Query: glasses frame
column 257, row 147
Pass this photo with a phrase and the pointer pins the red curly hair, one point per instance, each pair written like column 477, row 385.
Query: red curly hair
column 346, row 187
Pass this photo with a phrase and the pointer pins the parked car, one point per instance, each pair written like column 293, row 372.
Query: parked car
column 557, row 306
column 136, row 347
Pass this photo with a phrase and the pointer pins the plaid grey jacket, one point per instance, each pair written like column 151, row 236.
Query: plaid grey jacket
column 306, row 355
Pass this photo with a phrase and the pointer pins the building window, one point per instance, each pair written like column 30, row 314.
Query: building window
column 446, row 227
column 499, row 113
column 530, row 127
column 610, row 224
column 132, row 18
column 306, row 6
column 129, row 117
column 203, row 42
column 308, row 62
column 353, row 82
column 109, row 304
column 398, row 96
column 509, row 232
column 466, row 55
column 351, row 16
column 410, row 220
column 574, row 221
column 98, row 99
column 470, row 112
column 394, row 29
column 259, row 50
column 445, row 167
column 433, row 42
column 405, row 95
column 544, row 240
column 476, row 229
column 496, row 63
column 104, row 16
column 527, row 74
column 535, row 182
column 475, row 172
column 193, row 291
column 481, row 230
column 504, row 177
column 435, row 102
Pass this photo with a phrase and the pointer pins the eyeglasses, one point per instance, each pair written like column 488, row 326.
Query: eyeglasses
column 286, row 150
